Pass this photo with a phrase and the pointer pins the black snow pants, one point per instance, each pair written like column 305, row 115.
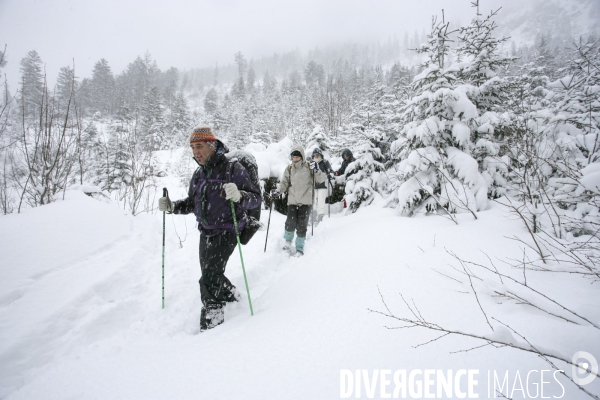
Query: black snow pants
column 297, row 219
column 215, row 288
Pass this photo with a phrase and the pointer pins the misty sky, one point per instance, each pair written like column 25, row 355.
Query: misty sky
column 199, row 33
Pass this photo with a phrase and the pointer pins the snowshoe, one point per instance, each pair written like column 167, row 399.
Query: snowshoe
column 318, row 219
column 313, row 217
column 298, row 253
column 211, row 316
column 289, row 248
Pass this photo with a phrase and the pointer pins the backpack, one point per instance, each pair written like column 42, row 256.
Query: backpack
column 252, row 215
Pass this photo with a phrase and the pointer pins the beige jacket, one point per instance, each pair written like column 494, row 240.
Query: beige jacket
column 298, row 180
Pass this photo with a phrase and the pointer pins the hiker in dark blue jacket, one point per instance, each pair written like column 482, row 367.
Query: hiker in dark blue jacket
column 348, row 158
column 215, row 182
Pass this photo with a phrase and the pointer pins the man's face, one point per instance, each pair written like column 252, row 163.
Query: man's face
column 296, row 158
column 346, row 157
column 317, row 157
column 203, row 151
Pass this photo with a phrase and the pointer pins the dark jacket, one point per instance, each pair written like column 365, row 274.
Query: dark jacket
column 324, row 166
column 206, row 196
column 345, row 163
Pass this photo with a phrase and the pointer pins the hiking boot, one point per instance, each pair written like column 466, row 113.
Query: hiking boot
column 211, row 316
column 288, row 245
column 299, row 253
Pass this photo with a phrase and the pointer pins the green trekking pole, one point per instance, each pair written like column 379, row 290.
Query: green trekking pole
column 165, row 194
column 312, row 223
column 237, row 235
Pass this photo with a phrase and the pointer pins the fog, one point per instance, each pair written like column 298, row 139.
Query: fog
column 200, row 33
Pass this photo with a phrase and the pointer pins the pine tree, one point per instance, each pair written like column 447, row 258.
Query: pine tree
column 261, row 137
column 139, row 77
column 367, row 179
column 238, row 91
column 3, row 59
column 479, row 73
column 211, row 101
column 168, row 84
column 32, row 85
column 66, row 87
column 314, row 75
column 577, row 97
column 180, row 121
column 479, row 49
column 251, row 81
column 102, row 87
column 436, row 169
column 319, row 138
column 573, row 133
column 152, row 123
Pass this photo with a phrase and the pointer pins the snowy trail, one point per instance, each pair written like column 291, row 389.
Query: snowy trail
column 106, row 337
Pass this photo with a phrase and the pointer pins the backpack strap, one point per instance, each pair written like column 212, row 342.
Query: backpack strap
column 230, row 163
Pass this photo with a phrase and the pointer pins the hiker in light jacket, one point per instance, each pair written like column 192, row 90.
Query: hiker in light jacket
column 298, row 180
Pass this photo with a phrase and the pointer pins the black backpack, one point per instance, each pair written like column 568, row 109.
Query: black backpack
column 252, row 215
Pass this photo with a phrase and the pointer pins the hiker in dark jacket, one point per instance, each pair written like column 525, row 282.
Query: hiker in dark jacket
column 215, row 182
column 348, row 158
column 383, row 146
column 321, row 189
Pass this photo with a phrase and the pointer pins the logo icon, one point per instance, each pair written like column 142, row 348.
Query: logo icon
column 585, row 362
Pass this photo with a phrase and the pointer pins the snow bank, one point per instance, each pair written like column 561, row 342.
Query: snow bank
column 42, row 239
column 273, row 159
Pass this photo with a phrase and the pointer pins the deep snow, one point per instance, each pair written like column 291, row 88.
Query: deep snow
column 81, row 317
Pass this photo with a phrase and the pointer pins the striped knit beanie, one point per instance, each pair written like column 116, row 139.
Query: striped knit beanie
column 202, row 133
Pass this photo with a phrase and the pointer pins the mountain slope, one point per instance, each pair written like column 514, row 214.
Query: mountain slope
column 523, row 21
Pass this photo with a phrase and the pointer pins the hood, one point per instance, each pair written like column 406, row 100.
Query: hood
column 299, row 148
column 221, row 148
column 220, row 152
column 348, row 152
column 317, row 151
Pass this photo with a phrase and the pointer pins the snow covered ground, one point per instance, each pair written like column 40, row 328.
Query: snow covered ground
column 81, row 317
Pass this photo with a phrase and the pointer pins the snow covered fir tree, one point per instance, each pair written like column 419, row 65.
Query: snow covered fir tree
column 468, row 211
